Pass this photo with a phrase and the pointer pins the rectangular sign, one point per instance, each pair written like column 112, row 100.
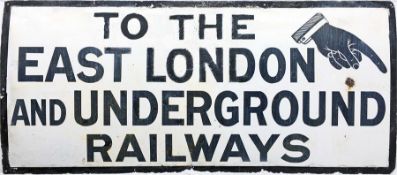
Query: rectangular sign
column 121, row 86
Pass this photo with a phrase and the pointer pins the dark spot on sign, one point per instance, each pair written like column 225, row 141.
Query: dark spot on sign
column 349, row 82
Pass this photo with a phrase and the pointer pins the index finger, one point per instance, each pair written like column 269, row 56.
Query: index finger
column 366, row 50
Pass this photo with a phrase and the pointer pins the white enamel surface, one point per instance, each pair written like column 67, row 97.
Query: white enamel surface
column 75, row 28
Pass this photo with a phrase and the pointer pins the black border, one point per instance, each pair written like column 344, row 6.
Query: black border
column 7, row 168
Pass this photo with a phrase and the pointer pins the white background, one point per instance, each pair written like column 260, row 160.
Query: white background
column 354, row 23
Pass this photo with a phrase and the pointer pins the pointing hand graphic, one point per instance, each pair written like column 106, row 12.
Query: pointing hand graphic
column 342, row 48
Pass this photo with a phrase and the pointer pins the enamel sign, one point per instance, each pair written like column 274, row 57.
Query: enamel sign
column 120, row 86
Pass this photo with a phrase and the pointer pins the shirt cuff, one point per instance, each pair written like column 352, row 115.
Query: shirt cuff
column 304, row 33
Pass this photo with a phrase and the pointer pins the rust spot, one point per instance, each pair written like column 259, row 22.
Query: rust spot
column 349, row 82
